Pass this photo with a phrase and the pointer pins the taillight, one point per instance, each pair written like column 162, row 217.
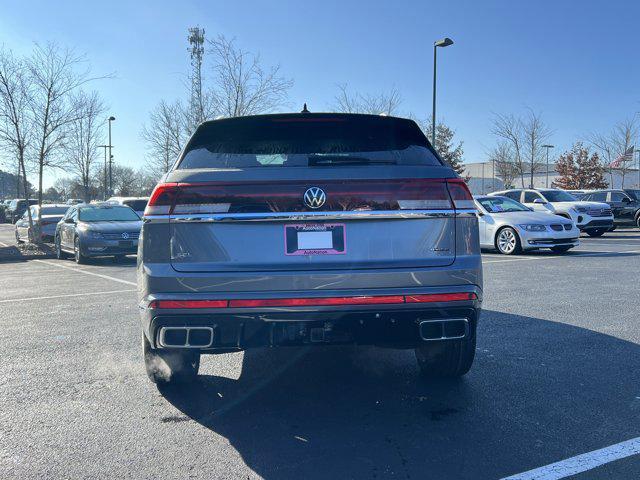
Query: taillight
column 162, row 199
column 440, row 297
column 188, row 304
column 316, row 302
column 460, row 193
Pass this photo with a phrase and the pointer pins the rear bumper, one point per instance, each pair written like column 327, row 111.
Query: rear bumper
column 396, row 326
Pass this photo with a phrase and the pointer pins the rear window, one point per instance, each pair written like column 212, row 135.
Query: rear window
column 307, row 140
column 137, row 205
column 108, row 214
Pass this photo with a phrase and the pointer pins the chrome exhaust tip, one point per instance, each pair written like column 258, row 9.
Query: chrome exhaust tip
column 185, row 337
column 443, row 329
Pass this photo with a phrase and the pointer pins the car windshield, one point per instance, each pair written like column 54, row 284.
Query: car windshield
column 137, row 205
column 54, row 210
column 107, row 214
column 501, row 205
column 558, row 196
column 296, row 141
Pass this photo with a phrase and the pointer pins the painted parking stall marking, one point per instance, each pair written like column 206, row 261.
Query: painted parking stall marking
column 581, row 463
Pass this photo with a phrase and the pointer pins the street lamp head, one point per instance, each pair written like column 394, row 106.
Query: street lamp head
column 548, row 146
column 445, row 42
column 111, row 119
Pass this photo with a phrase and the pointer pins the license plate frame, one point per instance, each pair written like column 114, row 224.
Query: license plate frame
column 338, row 237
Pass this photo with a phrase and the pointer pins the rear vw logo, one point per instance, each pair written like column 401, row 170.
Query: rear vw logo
column 125, row 235
column 314, row 197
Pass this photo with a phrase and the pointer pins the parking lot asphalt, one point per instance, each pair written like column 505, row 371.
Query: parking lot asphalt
column 557, row 374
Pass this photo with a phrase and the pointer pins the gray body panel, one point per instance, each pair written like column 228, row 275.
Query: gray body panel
column 242, row 256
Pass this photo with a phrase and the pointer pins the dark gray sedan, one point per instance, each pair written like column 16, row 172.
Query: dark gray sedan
column 96, row 231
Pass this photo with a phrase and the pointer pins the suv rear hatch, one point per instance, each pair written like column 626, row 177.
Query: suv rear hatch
column 309, row 192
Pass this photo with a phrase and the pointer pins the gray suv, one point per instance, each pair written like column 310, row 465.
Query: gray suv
column 296, row 229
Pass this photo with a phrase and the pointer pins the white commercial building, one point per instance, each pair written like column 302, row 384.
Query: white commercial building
column 482, row 179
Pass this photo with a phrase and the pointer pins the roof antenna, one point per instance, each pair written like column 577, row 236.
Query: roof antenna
column 304, row 109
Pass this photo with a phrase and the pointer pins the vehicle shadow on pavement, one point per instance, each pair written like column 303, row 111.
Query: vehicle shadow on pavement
column 540, row 391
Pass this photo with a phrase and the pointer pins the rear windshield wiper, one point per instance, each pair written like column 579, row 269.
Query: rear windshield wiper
column 316, row 160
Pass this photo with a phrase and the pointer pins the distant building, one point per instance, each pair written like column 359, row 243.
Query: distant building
column 482, row 179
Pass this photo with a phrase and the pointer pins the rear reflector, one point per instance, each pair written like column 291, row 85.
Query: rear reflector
column 313, row 302
column 440, row 297
column 189, row 304
column 309, row 302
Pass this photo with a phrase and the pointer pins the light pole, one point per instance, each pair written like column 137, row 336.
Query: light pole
column 110, row 119
column 445, row 42
column 547, row 180
column 104, row 173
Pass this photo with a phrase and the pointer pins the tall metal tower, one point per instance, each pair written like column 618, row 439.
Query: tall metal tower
column 196, row 50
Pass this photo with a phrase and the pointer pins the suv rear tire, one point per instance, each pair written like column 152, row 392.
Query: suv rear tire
column 448, row 358
column 168, row 367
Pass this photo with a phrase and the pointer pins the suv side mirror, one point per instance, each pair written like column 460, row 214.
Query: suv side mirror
column 69, row 220
column 539, row 201
column 626, row 200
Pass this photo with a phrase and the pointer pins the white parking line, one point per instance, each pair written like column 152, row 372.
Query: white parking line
column 581, row 463
column 86, row 272
column 11, row 300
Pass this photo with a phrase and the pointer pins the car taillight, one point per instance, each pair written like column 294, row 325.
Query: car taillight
column 316, row 302
column 162, row 199
column 460, row 193
column 189, row 304
column 440, row 297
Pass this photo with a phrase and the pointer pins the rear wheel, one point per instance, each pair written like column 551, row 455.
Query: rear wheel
column 561, row 249
column 598, row 232
column 448, row 358
column 508, row 242
column 166, row 367
column 638, row 221
column 77, row 253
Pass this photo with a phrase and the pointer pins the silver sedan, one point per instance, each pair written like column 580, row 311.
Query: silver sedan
column 510, row 227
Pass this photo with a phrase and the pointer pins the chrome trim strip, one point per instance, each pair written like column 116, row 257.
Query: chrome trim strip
column 298, row 216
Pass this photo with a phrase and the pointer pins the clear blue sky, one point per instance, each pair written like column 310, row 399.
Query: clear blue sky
column 575, row 62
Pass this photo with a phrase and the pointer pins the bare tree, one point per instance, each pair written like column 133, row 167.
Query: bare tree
column 504, row 165
column 165, row 136
column 508, row 128
column 381, row 103
column 83, row 137
column 240, row 85
column 617, row 147
column 525, row 137
column 535, row 133
column 55, row 74
column 15, row 132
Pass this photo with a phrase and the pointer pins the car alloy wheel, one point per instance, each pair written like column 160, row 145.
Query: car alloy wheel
column 507, row 241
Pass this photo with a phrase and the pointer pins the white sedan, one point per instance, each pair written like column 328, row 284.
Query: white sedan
column 510, row 227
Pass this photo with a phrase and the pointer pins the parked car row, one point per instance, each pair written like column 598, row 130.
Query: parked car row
column 82, row 231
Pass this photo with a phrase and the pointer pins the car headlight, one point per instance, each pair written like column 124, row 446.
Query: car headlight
column 93, row 234
column 580, row 209
column 533, row 227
